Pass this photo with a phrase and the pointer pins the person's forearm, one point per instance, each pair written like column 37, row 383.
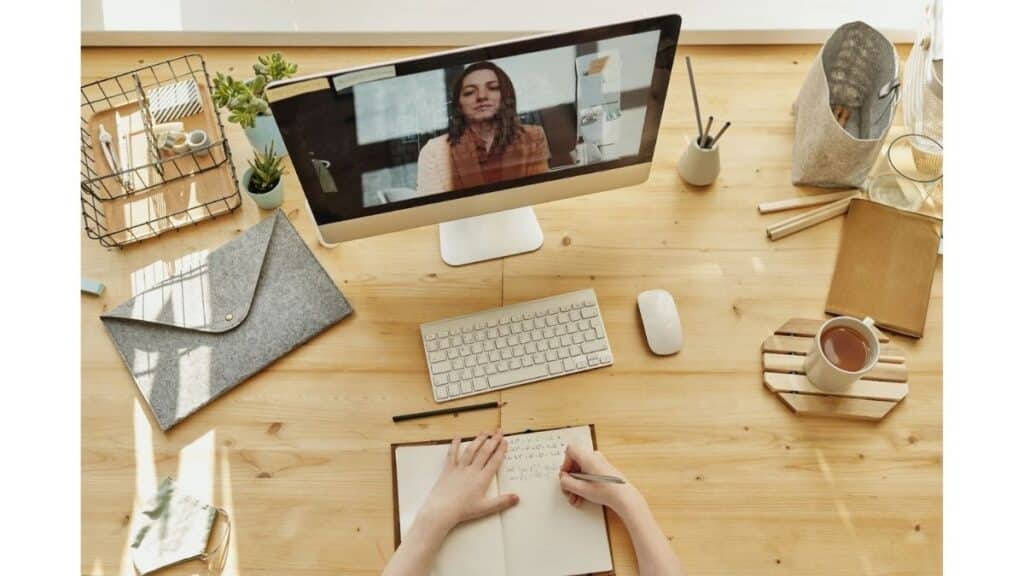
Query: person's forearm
column 416, row 552
column 654, row 556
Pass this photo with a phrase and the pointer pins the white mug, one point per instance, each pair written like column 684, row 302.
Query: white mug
column 829, row 377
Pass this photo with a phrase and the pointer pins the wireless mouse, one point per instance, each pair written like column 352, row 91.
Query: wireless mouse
column 661, row 322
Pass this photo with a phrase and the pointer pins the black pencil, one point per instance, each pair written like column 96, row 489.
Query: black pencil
column 453, row 410
column 696, row 104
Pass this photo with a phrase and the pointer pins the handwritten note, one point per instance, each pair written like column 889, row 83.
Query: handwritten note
column 534, row 456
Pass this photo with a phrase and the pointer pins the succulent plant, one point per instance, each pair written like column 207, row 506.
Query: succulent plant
column 245, row 100
column 267, row 169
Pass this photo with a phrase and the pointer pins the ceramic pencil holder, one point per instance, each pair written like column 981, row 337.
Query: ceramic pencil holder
column 699, row 166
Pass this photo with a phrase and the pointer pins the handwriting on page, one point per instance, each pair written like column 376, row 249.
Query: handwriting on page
column 534, row 457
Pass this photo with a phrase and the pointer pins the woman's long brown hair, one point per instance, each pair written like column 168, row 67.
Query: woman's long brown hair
column 506, row 122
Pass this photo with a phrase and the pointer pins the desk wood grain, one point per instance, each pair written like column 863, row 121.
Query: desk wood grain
column 299, row 454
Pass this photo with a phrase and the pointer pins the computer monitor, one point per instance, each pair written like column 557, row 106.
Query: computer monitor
column 471, row 138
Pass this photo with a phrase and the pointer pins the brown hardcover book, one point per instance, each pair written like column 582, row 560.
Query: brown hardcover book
column 542, row 534
column 885, row 266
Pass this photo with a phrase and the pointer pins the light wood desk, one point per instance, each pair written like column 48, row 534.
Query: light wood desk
column 299, row 454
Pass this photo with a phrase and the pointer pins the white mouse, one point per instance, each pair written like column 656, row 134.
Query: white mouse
column 661, row 322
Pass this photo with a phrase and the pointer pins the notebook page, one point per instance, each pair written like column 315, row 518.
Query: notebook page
column 544, row 535
column 472, row 548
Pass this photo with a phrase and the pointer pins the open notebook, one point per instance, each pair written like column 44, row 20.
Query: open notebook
column 541, row 536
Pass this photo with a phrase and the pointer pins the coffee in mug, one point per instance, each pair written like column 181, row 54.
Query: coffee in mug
column 844, row 349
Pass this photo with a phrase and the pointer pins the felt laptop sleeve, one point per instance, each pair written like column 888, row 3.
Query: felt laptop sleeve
column 224, row 316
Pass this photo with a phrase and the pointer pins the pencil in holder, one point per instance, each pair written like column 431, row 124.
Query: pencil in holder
column 699, row 166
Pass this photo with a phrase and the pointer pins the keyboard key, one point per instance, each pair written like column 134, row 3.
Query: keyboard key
column 584, row 324
column 595, row 346
column 552, row 311
column 492, row 323
column 590, row 335
column 440, row 379
column 458, row 364
column 560, row 330
column 528, row 324
column 525, row 337
column 481, row 359
column 516, row 376
column 563, row 352
column 566, row 340
column 441, row 393
column 453, row 353
column 542, row 345
column 577, row 305
column 503, row 320
column 574, row 315
column 549, row 332
column 503, row 366
column 538, row 359
column 477, row 348
column 593, row 360
column 467, row 374
column 454, row 376
column 555, row 368
column 489, row 346
column 479, row 384
column 606, row 357
column 515, row 364
column 432, row 346
column 568, row 364
column 501, row 342
column 493, row 356
column 599, row 330
column 551, row 355
column 504, row 331
column 578, row 338
column 477, row 371
column 492, row 333
column 517, row 328
column 564, row 307
column 581, row 362
column 453, row 389
column 589, row 312
column 467, row 329
column 513, row 340
column 442, row 344
column 479, row 326
column 431, row 335
column 518, row 351
column 552, row 320
column 464, row 351
column 517, row 317
column 506, row 353
column 563, row 318
column 442, row 334
column 467, row 386
column 491, row 369
column 572, row 328
column 530, row 348
column 575, row 350
column 527, row 360
column 439, row 367
column 470, row 361
column 437, row 356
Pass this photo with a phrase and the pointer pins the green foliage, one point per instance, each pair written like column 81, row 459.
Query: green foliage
column 245, row 100
column 267, row 169
column 273, row 67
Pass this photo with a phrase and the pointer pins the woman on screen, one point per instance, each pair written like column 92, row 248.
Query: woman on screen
column 485, row 142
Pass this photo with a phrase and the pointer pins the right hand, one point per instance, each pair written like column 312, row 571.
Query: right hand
column 618, row 497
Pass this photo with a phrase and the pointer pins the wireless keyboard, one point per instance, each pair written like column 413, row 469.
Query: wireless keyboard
column 515, row 344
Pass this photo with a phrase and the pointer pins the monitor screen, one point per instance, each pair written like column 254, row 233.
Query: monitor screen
column 478, row 120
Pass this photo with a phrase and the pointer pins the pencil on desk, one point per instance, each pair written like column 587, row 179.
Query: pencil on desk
column 597, row 478
column 454, row 410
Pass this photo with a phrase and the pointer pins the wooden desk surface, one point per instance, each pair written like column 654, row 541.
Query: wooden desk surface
column 299, row 454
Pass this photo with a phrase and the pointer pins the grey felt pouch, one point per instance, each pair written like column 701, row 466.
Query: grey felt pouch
column 855, row 76
column 223, row 316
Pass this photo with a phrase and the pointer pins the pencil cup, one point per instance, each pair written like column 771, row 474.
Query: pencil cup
column 699, row 166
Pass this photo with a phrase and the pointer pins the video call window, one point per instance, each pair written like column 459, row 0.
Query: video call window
column 501, row 120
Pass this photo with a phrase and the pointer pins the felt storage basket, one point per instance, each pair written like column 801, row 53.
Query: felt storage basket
column 857, row 69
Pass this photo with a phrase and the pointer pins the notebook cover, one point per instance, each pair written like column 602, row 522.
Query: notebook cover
column 394, row 488
column 885, row 266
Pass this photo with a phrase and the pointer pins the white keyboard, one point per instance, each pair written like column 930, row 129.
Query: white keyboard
column 515, row 344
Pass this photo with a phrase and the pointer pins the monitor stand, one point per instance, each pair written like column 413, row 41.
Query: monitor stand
column 490, row 236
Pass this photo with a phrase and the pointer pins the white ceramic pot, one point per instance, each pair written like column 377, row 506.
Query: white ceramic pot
column 263, row 132
column 267, row 200
column 699, row 166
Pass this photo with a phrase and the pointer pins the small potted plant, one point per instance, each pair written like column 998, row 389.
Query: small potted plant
column 262, row 180
column 246, row 100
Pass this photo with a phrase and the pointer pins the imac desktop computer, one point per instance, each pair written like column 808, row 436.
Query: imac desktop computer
column 472, row 138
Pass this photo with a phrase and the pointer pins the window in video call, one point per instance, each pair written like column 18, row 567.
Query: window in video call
column 475, row 124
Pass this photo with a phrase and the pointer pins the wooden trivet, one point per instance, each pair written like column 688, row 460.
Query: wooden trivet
column 870, row 398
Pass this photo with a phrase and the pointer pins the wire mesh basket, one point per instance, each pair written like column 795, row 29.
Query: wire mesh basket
column 135, row 189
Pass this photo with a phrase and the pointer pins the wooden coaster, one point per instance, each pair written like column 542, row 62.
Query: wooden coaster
column 870, row 398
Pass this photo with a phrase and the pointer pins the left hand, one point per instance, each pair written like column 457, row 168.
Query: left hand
column 460, row 493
